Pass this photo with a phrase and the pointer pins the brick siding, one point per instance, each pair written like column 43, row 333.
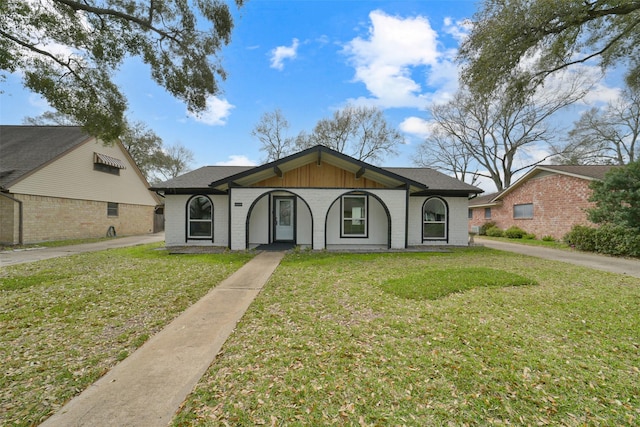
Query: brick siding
column 53, row 218
column 559, row 203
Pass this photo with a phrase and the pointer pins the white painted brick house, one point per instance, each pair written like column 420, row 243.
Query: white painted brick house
column 317, row 198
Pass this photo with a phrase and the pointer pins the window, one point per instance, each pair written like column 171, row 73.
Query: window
column 107, row 164
column 524, row 211
column 200, row 225
column 487, row 213
column 434, row 220
column 112, row 209
column 354, row 216
column 470, row 213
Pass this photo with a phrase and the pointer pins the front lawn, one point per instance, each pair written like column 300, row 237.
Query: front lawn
column 64, row 322
column 335, row 339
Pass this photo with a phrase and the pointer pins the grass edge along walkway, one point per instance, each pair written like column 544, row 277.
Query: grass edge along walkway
column 149, row 386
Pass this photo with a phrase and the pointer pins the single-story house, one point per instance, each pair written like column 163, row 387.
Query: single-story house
column 546, row 201
column 57, row 182
column 318, row 198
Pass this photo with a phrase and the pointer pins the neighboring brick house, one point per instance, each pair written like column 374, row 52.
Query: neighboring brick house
column 317, row 198
column 57, row 182
column 547, row 201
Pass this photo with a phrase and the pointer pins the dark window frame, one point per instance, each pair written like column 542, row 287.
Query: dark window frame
column 113, row 210
column 343, row 219
column 189, row 220
column 445, row 222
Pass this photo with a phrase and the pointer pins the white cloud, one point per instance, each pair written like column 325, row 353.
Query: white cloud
column 280, row 53
column 237, row 160
column 394, row 53
column 415, row 126
column 459, row 30
column 216, row 114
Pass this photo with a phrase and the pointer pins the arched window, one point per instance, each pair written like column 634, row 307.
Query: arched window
column 199, row 218
column 434, row 219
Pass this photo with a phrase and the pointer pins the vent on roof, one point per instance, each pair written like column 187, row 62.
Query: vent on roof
column 103, row 159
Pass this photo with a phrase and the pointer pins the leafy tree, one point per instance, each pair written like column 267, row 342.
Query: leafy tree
column 494, row 131
column 523, row 41
column 608, row 135
column 67, row 51
column 617, row 197
column 360, row 132
column 271, row 132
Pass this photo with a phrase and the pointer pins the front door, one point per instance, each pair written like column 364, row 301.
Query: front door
column 284, row 219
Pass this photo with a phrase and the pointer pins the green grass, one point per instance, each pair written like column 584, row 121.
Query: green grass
column 56, row 243
column 325, row 344
column 436, row 284
column 558, row 244
column 64, row 322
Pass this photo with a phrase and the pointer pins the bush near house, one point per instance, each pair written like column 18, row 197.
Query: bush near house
column 494, row 232
column 609, row 239
column 514, row 232
column 485, row 227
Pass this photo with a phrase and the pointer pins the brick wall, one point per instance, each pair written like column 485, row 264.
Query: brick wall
column 559, row 203
column 9, row 211
column 53, row 218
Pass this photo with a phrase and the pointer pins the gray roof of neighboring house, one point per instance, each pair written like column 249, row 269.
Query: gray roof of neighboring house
column 24, row 149
column 483, row 200
column 586, row 171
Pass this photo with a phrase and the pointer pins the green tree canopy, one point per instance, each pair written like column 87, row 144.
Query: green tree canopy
column 523, row 41
column 617, row 197
column 67, row 51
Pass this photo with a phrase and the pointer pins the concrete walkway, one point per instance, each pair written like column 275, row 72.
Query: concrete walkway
column 36, row 254
column 627, row 266
column 148, row 387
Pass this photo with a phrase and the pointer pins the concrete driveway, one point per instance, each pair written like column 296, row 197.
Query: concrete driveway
column 36, row 254
column 627, row 266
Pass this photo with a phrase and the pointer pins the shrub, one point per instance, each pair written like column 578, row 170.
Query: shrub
column 494, row 232
column 514, row 232
column 548, row 239
column 529, row 236
column 582, row 238
column 618, row 240
column 485, row 227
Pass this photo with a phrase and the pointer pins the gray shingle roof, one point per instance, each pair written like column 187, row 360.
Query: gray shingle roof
column 436, row 181
column 587, row 171
column 24, row 149
column 202, row 177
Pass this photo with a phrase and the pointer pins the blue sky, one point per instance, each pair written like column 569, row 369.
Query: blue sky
column 307, row 58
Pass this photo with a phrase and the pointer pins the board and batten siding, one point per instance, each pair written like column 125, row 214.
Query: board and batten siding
column 72, row 177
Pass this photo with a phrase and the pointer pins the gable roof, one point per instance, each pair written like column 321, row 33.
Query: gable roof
column 23, row 149
column 586, row 172
column 218, row 179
